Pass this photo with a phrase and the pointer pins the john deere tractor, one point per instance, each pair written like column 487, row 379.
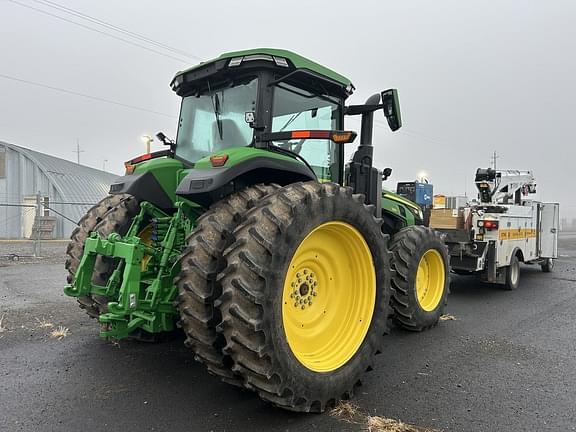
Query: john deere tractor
column 281, row 263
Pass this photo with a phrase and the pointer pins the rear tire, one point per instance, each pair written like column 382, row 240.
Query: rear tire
column 548, row 265
column 330, row 233
column 513, row 274
column 197, row 285
column 112, row 214
column 420, row 283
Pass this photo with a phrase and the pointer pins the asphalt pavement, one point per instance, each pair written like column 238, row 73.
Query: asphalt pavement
column 505, row 363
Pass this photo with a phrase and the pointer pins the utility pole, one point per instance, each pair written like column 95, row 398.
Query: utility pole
column 494, row 157
column 104, row 164
column 78, row 151
column 36, row 225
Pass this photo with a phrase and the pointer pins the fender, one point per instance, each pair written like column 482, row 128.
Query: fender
column 205, row 186
column 145, row 187
column 519, row 252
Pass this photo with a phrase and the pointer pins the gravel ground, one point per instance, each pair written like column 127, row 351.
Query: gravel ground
column 505, row 363
column 22, row 251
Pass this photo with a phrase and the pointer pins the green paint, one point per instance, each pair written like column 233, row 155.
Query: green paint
column 391, row 204
column 166, row 172
column 139, row 298
column 297, row 60
column 400, row 199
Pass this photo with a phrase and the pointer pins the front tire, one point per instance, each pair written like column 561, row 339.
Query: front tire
column 420, row 283
column 305, row 295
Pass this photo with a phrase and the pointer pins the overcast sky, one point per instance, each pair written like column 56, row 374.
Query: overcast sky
column 473, row 77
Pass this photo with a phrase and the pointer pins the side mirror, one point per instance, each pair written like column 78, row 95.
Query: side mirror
column 164, row 139
column 391, row 106
column 386, row 173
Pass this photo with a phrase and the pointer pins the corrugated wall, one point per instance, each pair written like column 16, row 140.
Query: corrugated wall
column 28, row 172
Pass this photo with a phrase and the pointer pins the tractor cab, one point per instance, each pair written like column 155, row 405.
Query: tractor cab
column 255, row 100
column 265, row 116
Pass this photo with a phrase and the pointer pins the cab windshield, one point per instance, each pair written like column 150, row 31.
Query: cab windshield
column 297, row 109
column 213, row 120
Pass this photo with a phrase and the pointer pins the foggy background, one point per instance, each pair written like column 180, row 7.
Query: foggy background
column 473, row 77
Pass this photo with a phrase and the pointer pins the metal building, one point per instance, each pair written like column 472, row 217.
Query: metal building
column 67, row 189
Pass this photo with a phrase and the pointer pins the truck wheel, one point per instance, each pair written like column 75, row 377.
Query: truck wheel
column 420, row 283
column 197, row 284
column 112, row 214
column 548, row 265
column 305, row 297
column 513, row 274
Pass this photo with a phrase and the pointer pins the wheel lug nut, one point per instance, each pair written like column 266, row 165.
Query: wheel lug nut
column 303, row 307
column 309, row 298
column 314, row 293
column 296, row 304
column 305, row 272
column 309, row 303
column 297, row 275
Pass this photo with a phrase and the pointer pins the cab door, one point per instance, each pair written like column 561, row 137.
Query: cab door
column 548, row 230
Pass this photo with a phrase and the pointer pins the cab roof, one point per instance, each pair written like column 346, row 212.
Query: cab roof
column 297, row 61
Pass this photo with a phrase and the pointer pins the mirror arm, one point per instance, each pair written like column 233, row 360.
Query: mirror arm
column 353, row 110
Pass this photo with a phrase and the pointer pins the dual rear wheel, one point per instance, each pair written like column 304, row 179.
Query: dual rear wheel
column 299, row 294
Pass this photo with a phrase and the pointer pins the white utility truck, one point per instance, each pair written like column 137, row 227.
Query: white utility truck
column 492, row 236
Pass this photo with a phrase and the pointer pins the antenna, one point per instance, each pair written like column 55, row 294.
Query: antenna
column 78, row 151
column 494, row 157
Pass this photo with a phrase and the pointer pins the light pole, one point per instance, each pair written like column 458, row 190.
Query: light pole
column 104, row 164
column 147, row 140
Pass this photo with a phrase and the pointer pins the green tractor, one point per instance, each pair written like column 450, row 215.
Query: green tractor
column 281, row 263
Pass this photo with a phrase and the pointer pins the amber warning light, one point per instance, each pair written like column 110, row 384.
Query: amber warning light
column 340, row 137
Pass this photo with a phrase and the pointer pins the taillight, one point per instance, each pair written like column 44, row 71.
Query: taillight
column 218, row 160
column 488, row 224
column 129, row 168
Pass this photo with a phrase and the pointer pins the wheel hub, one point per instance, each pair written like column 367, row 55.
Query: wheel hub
column 304, row 286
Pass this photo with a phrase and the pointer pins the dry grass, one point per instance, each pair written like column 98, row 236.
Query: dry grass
column 2, row 328
column 346, row 411
column 448, row 317
column 382, row 424
column 59, row 333
column 351, row 413
column 42, row 323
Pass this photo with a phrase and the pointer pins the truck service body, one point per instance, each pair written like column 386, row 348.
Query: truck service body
column 503, row 229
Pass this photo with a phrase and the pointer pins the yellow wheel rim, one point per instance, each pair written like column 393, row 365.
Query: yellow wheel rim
column 329, row 296
column 430, row 280
column 146, row 238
